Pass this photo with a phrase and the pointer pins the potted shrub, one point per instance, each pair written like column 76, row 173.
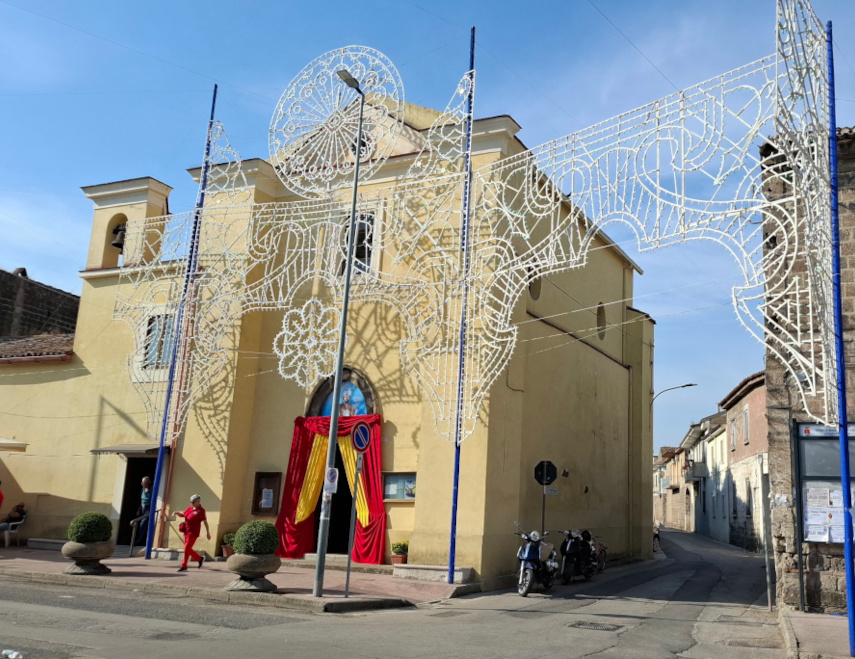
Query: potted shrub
column 89, row 543
column 228, row 544
column 254, row 558
column 399, row 552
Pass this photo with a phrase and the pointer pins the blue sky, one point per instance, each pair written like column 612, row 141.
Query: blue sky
column 92, row 92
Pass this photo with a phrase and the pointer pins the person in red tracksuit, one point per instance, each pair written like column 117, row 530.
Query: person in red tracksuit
column 193, row 518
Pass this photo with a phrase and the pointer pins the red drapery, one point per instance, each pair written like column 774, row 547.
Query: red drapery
column 298, row 538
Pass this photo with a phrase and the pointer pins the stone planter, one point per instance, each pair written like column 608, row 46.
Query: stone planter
column 252, row 568
column 399, row 559
column 87, row 557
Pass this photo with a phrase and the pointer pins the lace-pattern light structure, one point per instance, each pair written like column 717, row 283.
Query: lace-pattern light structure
column 741, row 160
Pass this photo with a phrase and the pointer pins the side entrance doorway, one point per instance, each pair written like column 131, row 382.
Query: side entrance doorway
column 137, row 468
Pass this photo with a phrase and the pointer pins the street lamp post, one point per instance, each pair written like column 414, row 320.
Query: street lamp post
column 682, row 386
column 324, row 527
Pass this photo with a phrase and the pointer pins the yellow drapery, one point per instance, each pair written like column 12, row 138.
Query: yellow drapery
column 348, row 455
column 313, row 480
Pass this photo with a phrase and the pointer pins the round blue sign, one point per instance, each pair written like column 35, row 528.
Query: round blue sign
column 360, row 437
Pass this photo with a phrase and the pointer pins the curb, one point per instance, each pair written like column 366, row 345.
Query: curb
column 791, row 644
column 278, row 600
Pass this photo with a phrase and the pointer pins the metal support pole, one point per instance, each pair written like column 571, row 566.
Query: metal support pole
column 352, row 523
column 842, row 420
column 464, row 275
column 799, row 512
column 765, row 507
column 324, row 527
column 177, row 334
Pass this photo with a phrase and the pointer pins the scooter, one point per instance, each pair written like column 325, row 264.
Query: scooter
column 579, row 556
column 537, row 561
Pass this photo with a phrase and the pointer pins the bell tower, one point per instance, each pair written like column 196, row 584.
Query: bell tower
column 115, row 205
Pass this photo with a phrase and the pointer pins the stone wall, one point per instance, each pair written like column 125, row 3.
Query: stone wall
column 28, row 307
column 824, row 578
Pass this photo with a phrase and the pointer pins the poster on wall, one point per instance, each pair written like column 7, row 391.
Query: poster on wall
column 822, row 511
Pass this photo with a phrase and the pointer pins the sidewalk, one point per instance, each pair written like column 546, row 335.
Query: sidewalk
column 294, row 582
column 814, row 635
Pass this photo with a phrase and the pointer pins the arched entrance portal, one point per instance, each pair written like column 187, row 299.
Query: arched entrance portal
column 357, row 399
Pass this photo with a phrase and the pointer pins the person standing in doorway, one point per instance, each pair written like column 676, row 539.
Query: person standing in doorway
column 193, row 518
column 145, row 506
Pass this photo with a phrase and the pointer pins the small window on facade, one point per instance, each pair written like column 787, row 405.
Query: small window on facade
column 363, row 239
column 733, row 434
column 601, row 321
column 745, row 425
column 733, row 496
column 159, row 341
column 749, row 502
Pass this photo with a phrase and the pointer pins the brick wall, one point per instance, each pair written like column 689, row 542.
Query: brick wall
column 824, row 577
column 28, row 307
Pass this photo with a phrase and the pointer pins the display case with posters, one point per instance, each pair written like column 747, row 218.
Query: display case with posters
column 819, row 476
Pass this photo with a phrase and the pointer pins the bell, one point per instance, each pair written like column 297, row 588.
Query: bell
column 119, row 237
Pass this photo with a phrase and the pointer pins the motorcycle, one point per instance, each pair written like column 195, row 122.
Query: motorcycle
column 537, row 561
column 579, row 557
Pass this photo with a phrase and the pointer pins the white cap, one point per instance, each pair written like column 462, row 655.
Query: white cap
column 195, row 497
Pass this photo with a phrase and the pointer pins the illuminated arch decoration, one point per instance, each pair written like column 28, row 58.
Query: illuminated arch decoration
column 741, row 160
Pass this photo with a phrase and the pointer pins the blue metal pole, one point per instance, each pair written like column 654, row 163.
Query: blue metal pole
column 464, row 276
column 843, row 422
column 177, row 338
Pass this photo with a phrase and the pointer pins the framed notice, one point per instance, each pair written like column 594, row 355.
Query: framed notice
column 399, row 487
column 266, row 493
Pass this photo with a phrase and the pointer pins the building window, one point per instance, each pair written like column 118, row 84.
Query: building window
column 733, row 434
column 159, row 340
column 745, row 426
column 601, row 321
column 363, row 238
column 749, row 503
column 733, row 496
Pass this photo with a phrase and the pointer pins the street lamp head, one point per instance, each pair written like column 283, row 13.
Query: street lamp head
column 691, row 384
column 348, row 79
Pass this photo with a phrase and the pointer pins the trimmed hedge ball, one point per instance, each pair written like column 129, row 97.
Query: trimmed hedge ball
column 256, row 537
column 90, row 527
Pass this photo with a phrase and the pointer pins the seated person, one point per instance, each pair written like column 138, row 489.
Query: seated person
column 17, row 514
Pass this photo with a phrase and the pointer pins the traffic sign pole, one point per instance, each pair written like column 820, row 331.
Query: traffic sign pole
column 352, row 523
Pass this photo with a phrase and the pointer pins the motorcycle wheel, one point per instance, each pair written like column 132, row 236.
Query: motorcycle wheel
column 526, row 582
column 601, row 560
column 548, row 580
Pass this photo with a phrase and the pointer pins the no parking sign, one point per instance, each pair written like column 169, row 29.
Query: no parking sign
column 331, row 481
column 360, row 437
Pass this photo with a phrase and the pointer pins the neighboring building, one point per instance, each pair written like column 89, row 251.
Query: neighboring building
column 718, row 484
column 718, row 475
column 661, row 485
column 584, row 405
column 824, row 572
column 747, row 435
column 697, row 473
column 28, row 307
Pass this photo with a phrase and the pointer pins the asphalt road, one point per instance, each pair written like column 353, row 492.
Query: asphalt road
column 701, row 599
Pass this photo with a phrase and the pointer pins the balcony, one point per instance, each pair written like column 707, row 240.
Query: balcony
column 696, row 471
